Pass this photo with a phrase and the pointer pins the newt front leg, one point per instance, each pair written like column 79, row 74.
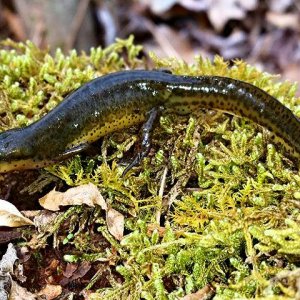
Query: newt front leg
column 147, row 130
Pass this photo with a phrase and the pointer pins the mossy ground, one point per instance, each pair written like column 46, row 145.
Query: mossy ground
column 214, row 204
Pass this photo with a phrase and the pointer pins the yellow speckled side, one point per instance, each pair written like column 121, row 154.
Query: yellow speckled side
column 23, row 164
column 117, row 122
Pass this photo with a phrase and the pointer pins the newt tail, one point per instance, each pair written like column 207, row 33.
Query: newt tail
column 120, row 100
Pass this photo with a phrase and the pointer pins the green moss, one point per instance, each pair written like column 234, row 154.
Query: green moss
column 35, row 82
column 230, row 198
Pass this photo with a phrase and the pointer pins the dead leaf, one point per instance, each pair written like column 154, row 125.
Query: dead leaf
column 10, row 216
column 84, row 194
column 247, row 4
column 221, row 11
column 82, row 269
column 74, row 272
column 15, row 24
column 195, row 5
column 115, row 223
column 292, row 73
column 205, row 293
column 19, row 293
column 159, row 7
column 153, row 226
column 24, row 254
column 45, row 220
column 235, row 45
column 6, row 268
column 50, row 269
column 8, row 259
column 171, row 43
column 3, row 293
column 70, row 269
column 50, row 291
column 280, row 5
column 288, row 20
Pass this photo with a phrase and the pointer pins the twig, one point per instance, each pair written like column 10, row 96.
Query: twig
column 160, row 193
column 15, row 24
column 162, row 40
column 76, row 23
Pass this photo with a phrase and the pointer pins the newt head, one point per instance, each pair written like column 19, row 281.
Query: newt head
column 15, row 151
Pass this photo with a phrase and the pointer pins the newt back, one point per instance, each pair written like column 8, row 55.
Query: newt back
column 120, row 100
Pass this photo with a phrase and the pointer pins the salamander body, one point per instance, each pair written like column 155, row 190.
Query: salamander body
column 120, row 100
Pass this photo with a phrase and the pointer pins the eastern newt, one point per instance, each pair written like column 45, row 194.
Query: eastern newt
column 122, row 99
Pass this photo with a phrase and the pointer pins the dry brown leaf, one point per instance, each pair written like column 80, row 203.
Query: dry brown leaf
column 82, row 269
column 221, row 11
column 19, row 293
column 205, row 293
column 171, row 43
column 70, row 269
column 115, row 223
column 288, row 20
column 10, row 216
column 51, row 291
column 74, row 272
column 292, row 73
column 84, row 194
column 45, row 220
column 14, row 23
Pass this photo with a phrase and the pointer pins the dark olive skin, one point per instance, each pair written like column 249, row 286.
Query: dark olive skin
column 119, row 100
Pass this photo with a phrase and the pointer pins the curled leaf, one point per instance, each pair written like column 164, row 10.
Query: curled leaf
column 10, row 216
column 20, row 293
column 84, row 194
column 51, row 291
column 115, row 223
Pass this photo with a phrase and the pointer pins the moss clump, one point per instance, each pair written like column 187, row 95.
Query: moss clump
column 35, row 82
column 228, row 200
